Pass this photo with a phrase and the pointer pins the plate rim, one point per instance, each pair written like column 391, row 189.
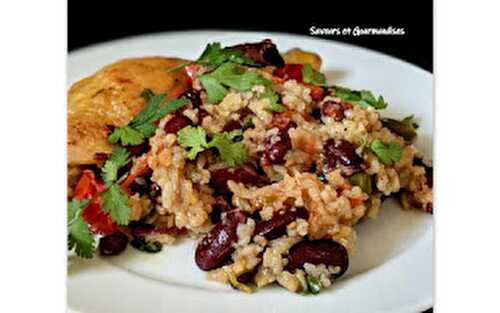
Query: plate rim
column 425, row 303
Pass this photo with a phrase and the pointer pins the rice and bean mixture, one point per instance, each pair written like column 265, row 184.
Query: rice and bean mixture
column 268, row 168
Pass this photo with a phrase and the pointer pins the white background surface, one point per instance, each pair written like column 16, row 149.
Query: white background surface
column 33, row 277
column 392, row 269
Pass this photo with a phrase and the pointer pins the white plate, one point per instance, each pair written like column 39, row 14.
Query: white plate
column 393, row 268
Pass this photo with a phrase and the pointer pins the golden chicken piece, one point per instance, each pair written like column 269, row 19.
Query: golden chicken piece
column 299, row 56
column 111, row 98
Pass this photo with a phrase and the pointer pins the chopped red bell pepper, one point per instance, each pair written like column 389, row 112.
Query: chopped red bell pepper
column 191, row 71
column 290, row 71
column 87, row 187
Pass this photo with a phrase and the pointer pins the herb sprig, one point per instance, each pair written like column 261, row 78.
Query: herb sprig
column 363, row 98
column 143, row 125
column 389, row 153
column 229, row 75
column 232, row 153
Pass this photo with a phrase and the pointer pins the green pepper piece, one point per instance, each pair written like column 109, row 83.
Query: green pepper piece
column 363, row 180
column 314, row 284
column 402, row 128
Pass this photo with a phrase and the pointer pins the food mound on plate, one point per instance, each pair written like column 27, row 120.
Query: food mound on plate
column 249, row 152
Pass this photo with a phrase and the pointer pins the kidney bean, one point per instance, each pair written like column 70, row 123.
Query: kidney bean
column 334, row 109
column 220, row 206
column 215, row 249
column 139, row 149
column 193, row 96
column 231, row 125
column 342, row 154
column 244, row 113
column 113, row 244
column 276, row 147
column 245, row 174
column 176, row 123
column 248, row 276
column 141, row 228
column 276, row 226
column 323, row 251
column 262, row 53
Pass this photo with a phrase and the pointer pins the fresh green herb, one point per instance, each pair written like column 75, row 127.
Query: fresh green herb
column 142, row 125
column 229, row 75
column 214, row 55
column 194, row 139
column 311, row 76
column 273, row 98
column 115, row 202
column 79, row 236
column 387, row 153
column 314, row 284
column 232, row 153
column 141, row 244
column 362, row 180
column 363, row 98
column 406, row 127
column 118, row 158
column 215, row 90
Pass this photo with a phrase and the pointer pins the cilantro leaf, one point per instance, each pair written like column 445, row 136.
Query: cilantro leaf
column 115, row 202
column 127, row 135
column 79, row 236
column 273, row 98
column 229, row 75
column 193, row 138
column 233, row 154
column 118, row 158
column 363, row 98
column 215, row 55
column 387, row 153
column 142, row 125
column 215, row 91
column 311, row 76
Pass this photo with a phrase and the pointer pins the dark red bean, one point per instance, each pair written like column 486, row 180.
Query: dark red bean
column 154, row 191
column 247, row 277
column 100, row 157
column 215, row 249
column 176, row 123
column 334, row 109
column 113, row 244
column 245, row 174
column 323, row 251
column 124, row 169
column 231, row 125
column 276, row 226
column 276, row 147
column 342, row 154
column 262, row 53
column 139, row 149
column 193, row 96
column 140, row 228
column 244, row 113
column 220, row 206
